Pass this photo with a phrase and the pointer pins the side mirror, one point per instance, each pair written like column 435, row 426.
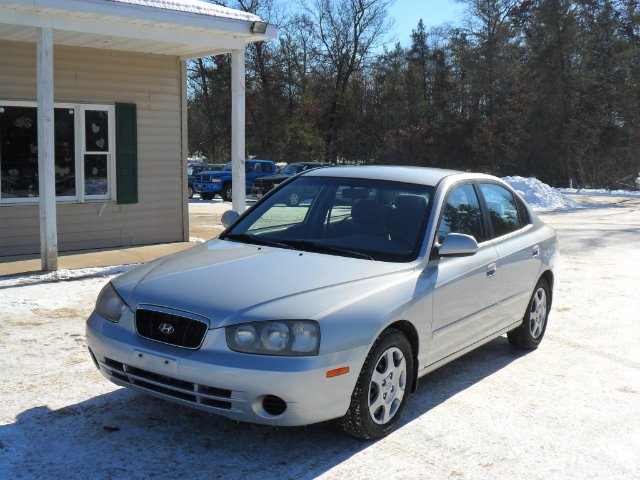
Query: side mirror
column 229, row 217
column 458, row 245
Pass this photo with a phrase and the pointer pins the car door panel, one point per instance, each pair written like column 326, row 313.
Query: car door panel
column 465, row 293
column 465, row 301
column 517, row 247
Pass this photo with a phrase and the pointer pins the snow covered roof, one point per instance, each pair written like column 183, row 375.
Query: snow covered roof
column 200, row 7
column 183, row 28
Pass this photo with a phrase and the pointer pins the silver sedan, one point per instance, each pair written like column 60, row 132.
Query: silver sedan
column 331, row 308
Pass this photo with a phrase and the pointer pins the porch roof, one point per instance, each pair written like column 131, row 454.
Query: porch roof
column 183, row 28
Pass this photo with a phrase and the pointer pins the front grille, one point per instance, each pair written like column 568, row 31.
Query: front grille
column 204, row 178
column 201, row 395
column 170, row 328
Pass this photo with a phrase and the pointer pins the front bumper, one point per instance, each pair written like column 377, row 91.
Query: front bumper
column 207, row 187
column 218, row 380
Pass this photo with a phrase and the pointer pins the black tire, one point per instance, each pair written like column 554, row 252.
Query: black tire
column 529, row 335
column 226, row 192
column 190, row 191
column 206, row 196
column 360, row 420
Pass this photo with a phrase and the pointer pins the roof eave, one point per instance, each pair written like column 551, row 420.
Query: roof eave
column 188, row 35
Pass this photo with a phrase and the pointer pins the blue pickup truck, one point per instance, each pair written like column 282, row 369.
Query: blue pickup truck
column 212, row 183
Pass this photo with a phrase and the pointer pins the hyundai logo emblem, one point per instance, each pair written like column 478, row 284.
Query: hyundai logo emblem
column 166, row 328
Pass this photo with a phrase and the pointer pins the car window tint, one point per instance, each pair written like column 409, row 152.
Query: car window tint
column 461, row 214
column 503, row 210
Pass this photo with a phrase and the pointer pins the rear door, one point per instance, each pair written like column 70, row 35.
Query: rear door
column 465, row 295
column 518, row 251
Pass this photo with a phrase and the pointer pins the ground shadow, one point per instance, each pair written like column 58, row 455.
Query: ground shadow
column 128, row 435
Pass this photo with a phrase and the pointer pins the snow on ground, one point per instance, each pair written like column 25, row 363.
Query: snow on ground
column 567, row 410
column 539, row 195
column 599, row 192
column 61, row 275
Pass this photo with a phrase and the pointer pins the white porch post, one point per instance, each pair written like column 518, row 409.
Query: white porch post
column 237, row 131
column 46, row 152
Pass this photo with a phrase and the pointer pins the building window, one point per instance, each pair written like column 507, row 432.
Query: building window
column 96, row 155
column 83, row 152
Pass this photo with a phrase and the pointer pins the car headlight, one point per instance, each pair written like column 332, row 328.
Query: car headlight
column 215, row 180
column 281, row 337
column 109, row 304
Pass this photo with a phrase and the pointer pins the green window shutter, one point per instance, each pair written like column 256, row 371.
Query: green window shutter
column 126, row 153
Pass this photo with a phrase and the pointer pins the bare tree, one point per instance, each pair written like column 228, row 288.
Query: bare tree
column 345, row 33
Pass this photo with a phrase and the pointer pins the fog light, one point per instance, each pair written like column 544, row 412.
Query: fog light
column 274, row 405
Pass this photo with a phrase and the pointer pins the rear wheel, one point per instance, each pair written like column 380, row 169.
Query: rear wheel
column 226, row 193
column 381, row 393
column 190, row 191
column 529, row 335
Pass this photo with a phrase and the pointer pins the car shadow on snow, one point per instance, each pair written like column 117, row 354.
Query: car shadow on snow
column 125, row 434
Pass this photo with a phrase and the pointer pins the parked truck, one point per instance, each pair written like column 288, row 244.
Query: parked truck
column 211, row 183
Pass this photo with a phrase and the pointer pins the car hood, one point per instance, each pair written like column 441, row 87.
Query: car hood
column 270, row 178
column 216, row 173
column 230, row 282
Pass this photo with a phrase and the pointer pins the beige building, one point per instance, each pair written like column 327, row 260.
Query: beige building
column 93, row 124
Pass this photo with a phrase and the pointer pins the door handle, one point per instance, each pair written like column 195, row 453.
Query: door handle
column 491, row 270
column 536, row 250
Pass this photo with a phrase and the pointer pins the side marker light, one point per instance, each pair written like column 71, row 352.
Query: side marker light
column 337, row 371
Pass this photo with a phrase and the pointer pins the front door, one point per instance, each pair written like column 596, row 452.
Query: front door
column 465, row 289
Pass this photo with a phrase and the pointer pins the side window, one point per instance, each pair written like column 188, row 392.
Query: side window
column 503, row 209
column 461, row 214
column 265, row 167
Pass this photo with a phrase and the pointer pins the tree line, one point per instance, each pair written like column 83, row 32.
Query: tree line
column 545, row 88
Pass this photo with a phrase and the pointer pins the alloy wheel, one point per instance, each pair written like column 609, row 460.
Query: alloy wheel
column 387, row 386
column 538, row 313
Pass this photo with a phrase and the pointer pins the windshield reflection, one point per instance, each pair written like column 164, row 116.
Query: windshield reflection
column 354, row 217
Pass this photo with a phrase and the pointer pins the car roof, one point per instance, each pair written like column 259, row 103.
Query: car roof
column 420, row 175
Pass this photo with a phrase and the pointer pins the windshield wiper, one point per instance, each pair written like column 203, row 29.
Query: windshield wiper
column 316, row 247
column 253, row 239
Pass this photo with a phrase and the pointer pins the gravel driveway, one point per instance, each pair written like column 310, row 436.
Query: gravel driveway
column 570, row 409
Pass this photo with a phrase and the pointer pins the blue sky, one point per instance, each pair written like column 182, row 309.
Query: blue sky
column 406, row 14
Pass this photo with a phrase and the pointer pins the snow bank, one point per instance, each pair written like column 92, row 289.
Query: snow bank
column 64, row 275
column 540, row 195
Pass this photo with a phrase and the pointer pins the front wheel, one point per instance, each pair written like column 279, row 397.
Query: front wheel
column 226, row 193
column 529, row 335
column 381, row 393
column 190, row 191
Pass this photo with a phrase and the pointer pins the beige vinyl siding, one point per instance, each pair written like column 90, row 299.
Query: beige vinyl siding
column 83, row 75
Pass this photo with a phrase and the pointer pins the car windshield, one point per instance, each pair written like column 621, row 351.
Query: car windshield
column 292, row 169
column 228, row 167
column 362, row 218
column 193, row 170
